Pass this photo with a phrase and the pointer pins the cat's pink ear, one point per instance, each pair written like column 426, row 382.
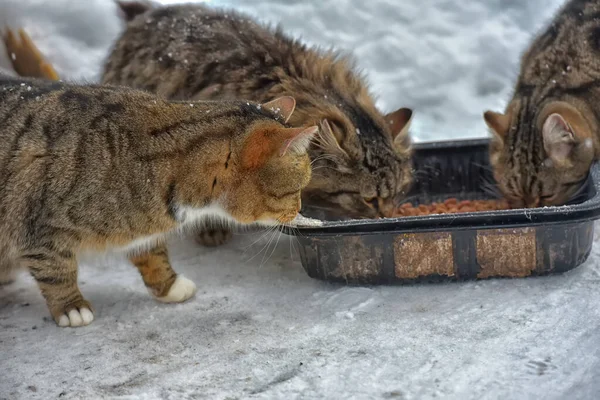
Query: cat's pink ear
column 327, row 141
column 399, row 122
column 498, row 123
column 559, row 138
column 298, row 139
column 283, row 106
column 263, row 144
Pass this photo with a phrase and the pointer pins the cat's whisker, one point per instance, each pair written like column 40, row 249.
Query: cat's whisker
column 330, row 157
column 486, row 167
column 267, row 248
column 489, row 187
column 323, row 167
column 259, row 252
column 294, row 242
column 578, row 197
column 274, row 246
column 265, row 233
column 424, row 172
column 291, row 251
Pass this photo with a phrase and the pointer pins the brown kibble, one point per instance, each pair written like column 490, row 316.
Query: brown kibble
column 451, row 201
column 451, row 206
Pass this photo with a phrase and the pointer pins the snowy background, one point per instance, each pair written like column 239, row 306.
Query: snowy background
column 449, row 60
column 259, row 327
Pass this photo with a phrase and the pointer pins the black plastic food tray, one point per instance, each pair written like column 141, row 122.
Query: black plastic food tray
column 508, row 243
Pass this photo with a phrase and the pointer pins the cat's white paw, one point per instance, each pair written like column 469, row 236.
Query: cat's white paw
column 181, row 290
column 76, row 317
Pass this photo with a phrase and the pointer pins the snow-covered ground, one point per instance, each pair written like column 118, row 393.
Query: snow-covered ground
column 263, row 329
column 259, row 327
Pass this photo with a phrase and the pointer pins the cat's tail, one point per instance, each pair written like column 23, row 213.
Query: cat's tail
column 26, row 59
column 130, row 9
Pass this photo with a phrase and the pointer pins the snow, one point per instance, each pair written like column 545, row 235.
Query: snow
column 258, row 326
column 74, row 35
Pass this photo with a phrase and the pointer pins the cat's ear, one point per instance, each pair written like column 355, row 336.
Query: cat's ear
column 261, row 145
column 130, row 9
column 328, row 141
column 298, row 139
column 559, row 139
column 498, row 123
column 283, row 105
column 399, row 123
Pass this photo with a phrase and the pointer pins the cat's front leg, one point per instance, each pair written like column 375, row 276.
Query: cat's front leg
column 212, row 234
column 160, row 279
column 56, row 274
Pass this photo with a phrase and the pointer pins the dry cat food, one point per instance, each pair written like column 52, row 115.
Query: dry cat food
column 451, row 206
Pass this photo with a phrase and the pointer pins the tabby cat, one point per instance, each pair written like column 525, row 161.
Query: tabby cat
column 361, row 158
column 91, row 168
column 549, row 135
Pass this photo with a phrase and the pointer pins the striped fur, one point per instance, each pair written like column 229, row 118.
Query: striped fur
column 91, row 168
column 544, row 143
column 362, row 167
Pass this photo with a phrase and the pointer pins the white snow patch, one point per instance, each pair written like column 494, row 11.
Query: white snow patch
column 301, row 220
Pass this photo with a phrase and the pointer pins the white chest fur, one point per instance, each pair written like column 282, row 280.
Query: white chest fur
column 189, row 216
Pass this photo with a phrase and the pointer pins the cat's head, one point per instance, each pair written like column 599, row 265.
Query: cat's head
column 361, row 162
column 540, row 156
column 257, row 174
column 362, row 159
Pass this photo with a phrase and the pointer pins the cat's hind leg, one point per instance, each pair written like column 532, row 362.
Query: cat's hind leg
column 56, row 274
column 160, row 279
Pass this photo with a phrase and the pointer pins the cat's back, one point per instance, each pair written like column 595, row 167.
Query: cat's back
column 48, row 104
column 564, row 55
column 178, row 50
